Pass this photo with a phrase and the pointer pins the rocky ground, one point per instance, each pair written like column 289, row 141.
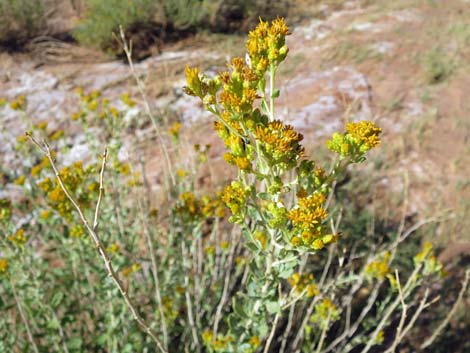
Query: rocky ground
column 404, row 64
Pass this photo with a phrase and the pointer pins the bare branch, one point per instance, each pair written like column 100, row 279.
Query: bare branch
column 100, row 246
column 451, row 313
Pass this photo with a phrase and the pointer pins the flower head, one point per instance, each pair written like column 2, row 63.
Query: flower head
column 280, row 144
column 3, row 266
column 358, row 139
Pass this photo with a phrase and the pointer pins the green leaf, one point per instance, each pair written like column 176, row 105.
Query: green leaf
column 264, row 196
column 273, row 307
column 56, row 299
column 75, row 343
column 276, row 93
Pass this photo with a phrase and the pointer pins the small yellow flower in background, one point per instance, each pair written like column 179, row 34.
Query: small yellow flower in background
column 127, row 100
column 114, row 112
column 425, row 252
column 22, row 138
column 174, row 130
column 45, row 214
column 380, row 337
column 225, row 245
column 93, row 105
column 209, row 250
column 135, row 180
column 241, row 260
column 93, row 187
column 380, row 268
column 95, row 94
column 56, row 135
column 42, row 125
column 181, row 173
column 3, row 102
column 255, row 341
column 127, row 271
column 46, row 184
column 262, row 238
column 3, row 266
column 136, row 267
column 77, row 231
column 207, row 337
column 19, row 103
column 79, row 91
column 19, row 238
column 20, row 180
column 77, row 115
column 122, row 168
column 326, row 312
column 113, row 248
column 304, row 282
column 431, row 264
column 36, row 170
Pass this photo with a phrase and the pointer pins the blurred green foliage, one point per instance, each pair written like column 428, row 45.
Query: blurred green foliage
column 20, row 20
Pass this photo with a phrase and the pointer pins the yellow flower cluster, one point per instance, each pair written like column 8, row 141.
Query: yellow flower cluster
column 77, row 231
column 235, row 196
column 325, row 312
column 38, row 168
column 266, row 45
column 431, row 264
column 359, row 138
column 3, row 266
column 280, row 144
column 127, row 100
column 307, row 220
column 19, row 238
column 241, row 154
column 129, row 270
column 19, row 103
column 254, row 341
column 378, row 269
column 200, row 86
column 304, row 282
column 174, row 130
column 366, row 132
column 192, row 208
column 91, row 102
column 218, row 344
column 239, row 87
column 20, row 180
column 75, row 179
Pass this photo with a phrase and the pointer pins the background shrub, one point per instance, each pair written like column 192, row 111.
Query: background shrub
column 20, row 20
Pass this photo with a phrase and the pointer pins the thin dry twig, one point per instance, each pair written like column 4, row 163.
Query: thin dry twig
column 451, row 313
column 153, row 259
column 191, row 321
column 24, row 318
column 101, row 192
column 99, row 245
column 141, row 87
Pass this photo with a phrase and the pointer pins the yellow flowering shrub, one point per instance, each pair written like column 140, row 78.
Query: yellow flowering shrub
column 282, row 274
